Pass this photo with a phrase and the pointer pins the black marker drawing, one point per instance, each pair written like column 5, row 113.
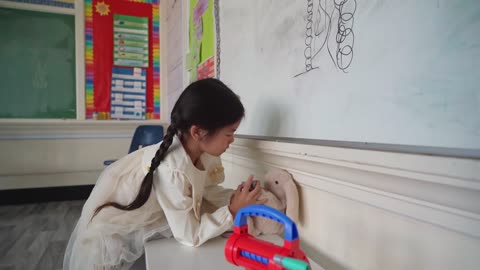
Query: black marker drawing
column 318, row 30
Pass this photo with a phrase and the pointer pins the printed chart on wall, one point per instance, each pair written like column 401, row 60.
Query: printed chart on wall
column 128, row 93
column 388, row 72
column 130, row 41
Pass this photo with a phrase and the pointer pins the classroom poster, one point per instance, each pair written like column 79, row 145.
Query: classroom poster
column 103, row 18
column 201, row 58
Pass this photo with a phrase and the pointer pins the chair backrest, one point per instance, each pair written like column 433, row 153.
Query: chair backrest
column 146, row 135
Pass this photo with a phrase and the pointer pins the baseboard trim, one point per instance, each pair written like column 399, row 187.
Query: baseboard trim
column 48, row 194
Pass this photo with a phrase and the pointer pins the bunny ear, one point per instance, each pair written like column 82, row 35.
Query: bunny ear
column 293, row 204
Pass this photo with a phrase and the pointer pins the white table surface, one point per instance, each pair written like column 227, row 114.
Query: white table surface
column 169, row 254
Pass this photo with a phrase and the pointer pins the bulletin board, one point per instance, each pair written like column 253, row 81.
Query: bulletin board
column 122, row 59
column 37, row 65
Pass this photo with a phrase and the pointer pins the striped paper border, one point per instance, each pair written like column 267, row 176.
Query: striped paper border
column 89, row 106
column 156, row 62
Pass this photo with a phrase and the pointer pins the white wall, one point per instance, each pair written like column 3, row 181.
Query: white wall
column 60, row 153
column 175, row 23
column 375, row 210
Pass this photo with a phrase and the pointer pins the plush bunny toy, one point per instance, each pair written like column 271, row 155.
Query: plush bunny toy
column 282, row 194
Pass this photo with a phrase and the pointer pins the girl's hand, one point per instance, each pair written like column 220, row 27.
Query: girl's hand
column 243, row 197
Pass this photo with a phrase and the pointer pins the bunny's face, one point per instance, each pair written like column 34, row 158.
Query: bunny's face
column 281, row 184
column 276, row 181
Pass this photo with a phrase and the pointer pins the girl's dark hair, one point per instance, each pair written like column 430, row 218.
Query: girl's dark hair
column 207, row 103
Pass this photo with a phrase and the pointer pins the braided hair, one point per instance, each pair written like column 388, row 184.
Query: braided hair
column 207, row 103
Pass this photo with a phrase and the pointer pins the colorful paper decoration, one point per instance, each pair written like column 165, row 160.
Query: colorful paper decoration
column 128, row 93
column 102, row 8
column 206, row 69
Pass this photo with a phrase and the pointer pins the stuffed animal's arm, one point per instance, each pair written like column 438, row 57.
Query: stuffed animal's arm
column 261, row 225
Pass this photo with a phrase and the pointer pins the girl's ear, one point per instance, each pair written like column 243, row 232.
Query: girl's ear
column 197, row 133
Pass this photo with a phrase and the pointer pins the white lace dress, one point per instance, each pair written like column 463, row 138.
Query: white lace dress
column 114, row 239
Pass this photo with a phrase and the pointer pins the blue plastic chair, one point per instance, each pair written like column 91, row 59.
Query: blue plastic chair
column 144, row 135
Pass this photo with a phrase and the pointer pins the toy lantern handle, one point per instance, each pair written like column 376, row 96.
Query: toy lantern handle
column 291, row 232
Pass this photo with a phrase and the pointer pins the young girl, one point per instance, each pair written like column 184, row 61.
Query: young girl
column 158, row 191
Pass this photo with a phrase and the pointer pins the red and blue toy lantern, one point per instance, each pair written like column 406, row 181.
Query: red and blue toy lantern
column 242, row 249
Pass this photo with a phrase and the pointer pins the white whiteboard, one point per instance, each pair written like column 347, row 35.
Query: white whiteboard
column 413, row 77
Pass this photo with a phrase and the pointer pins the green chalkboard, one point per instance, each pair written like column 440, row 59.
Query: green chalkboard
column 37, row 64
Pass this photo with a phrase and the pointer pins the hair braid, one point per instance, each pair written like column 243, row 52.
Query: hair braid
column 162, row 150
column 147, row 183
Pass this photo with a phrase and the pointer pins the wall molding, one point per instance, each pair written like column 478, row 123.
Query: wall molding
column 438, row 190
column 69, row 129
column 54, row 153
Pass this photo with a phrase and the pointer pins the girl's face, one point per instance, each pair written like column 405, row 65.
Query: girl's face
column 217, row 143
